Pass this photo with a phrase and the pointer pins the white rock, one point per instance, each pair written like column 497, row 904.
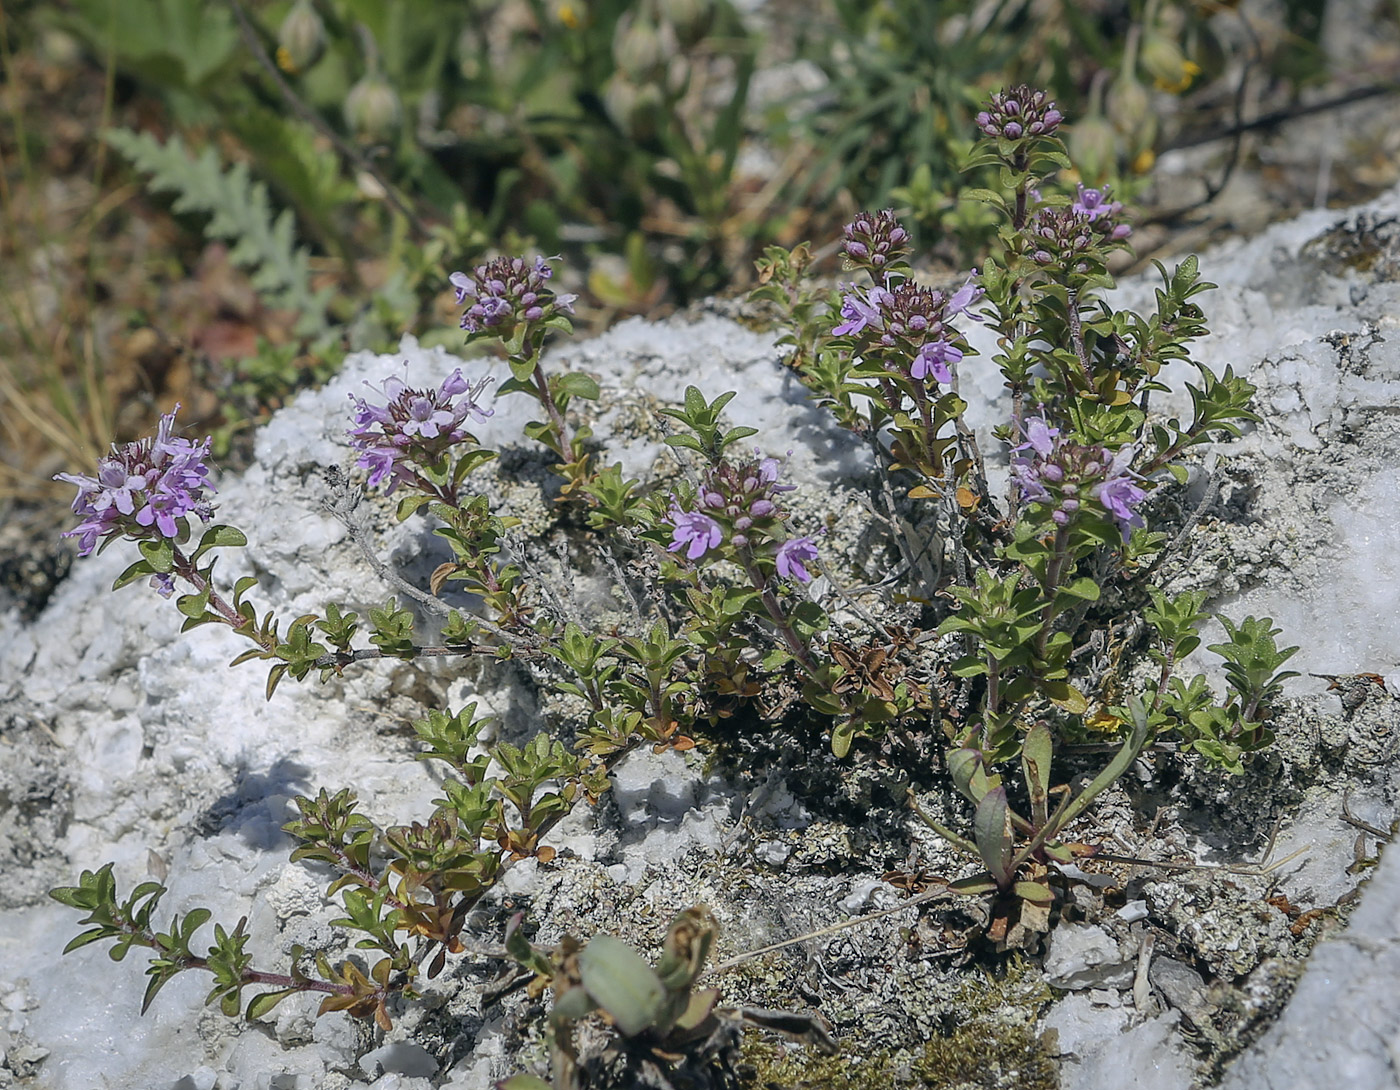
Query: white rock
column 1085, row 956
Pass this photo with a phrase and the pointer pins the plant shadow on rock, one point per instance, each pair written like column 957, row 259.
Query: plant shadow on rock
column 249, row 808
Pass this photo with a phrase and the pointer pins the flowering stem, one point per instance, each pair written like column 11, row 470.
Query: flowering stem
column 1054, row 571
column 1164, row 675
column 775, row 611
column 925, row 405
column 187, row 571
column 1019, row 164
column 564, row 445
column 993, row 685
column 1076, row 335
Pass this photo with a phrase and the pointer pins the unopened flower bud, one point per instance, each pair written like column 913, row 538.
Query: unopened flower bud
column 1163, row 60
column 301, row 39
column 638, row 49
column 1130, row 110
column 1019, row 111
column 469, row 51
column 1093, row 147
column 691, row 18
column 644, row 117
column 372, row 108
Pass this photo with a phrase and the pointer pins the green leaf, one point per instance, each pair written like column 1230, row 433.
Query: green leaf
column 622, row 983
column 159, row 554
column 577, row 384
column 1037, row 751
column 160, row 976
column 976, row 885
column 1064, row 695
column 133, row 573
column 969, row 771
column 1036, row 892
column 842, row 735
column 410, row 503
column 992, row 832
column 1084, row 588
column 522, row 370
column 219, row 537
column 239, row 210
column 259, row 1005
column 194, row 605
column 87, row 937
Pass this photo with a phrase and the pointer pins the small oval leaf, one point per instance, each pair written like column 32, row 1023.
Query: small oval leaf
column 622, row 983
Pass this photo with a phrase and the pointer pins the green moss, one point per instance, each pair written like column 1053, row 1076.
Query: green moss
column 768, row 1066
column 987, row 1042
column 983, row 1056
column 993, row 1046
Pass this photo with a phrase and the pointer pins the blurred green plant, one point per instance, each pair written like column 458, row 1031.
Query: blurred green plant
column 564, row 121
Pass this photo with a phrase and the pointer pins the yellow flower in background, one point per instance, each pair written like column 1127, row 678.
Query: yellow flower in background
column 569, row 16
column 1189, row 71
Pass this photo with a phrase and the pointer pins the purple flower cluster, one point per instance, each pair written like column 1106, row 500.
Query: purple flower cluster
column 143, row 490
column 1019, row 112
column 1070, row 238
column 507, row 292
column 415, row 426
column 873, row 240
column 1062, row 474
column 739, row 501
column 906, row 326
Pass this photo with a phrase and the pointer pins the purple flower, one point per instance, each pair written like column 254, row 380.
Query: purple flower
column 793, row 554
column 143, row 489
column 415, row 426
column 1028, row 478
column 1040, row 436
column 1118, row 494
column 933, row 359
column 861, row 309
column 966, row 297
column 1094, row 203
column 695, row 532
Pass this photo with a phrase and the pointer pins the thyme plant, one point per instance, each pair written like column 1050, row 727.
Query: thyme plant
column 986, row 638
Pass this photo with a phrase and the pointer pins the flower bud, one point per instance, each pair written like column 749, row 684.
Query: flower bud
column 638, row 49
column 1166, row 64
column 469, row 52
column 372, row 108
column 301, row 39
column 1093, row 147
column 691, row 18
column 644, row 118
column 1129, row 104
